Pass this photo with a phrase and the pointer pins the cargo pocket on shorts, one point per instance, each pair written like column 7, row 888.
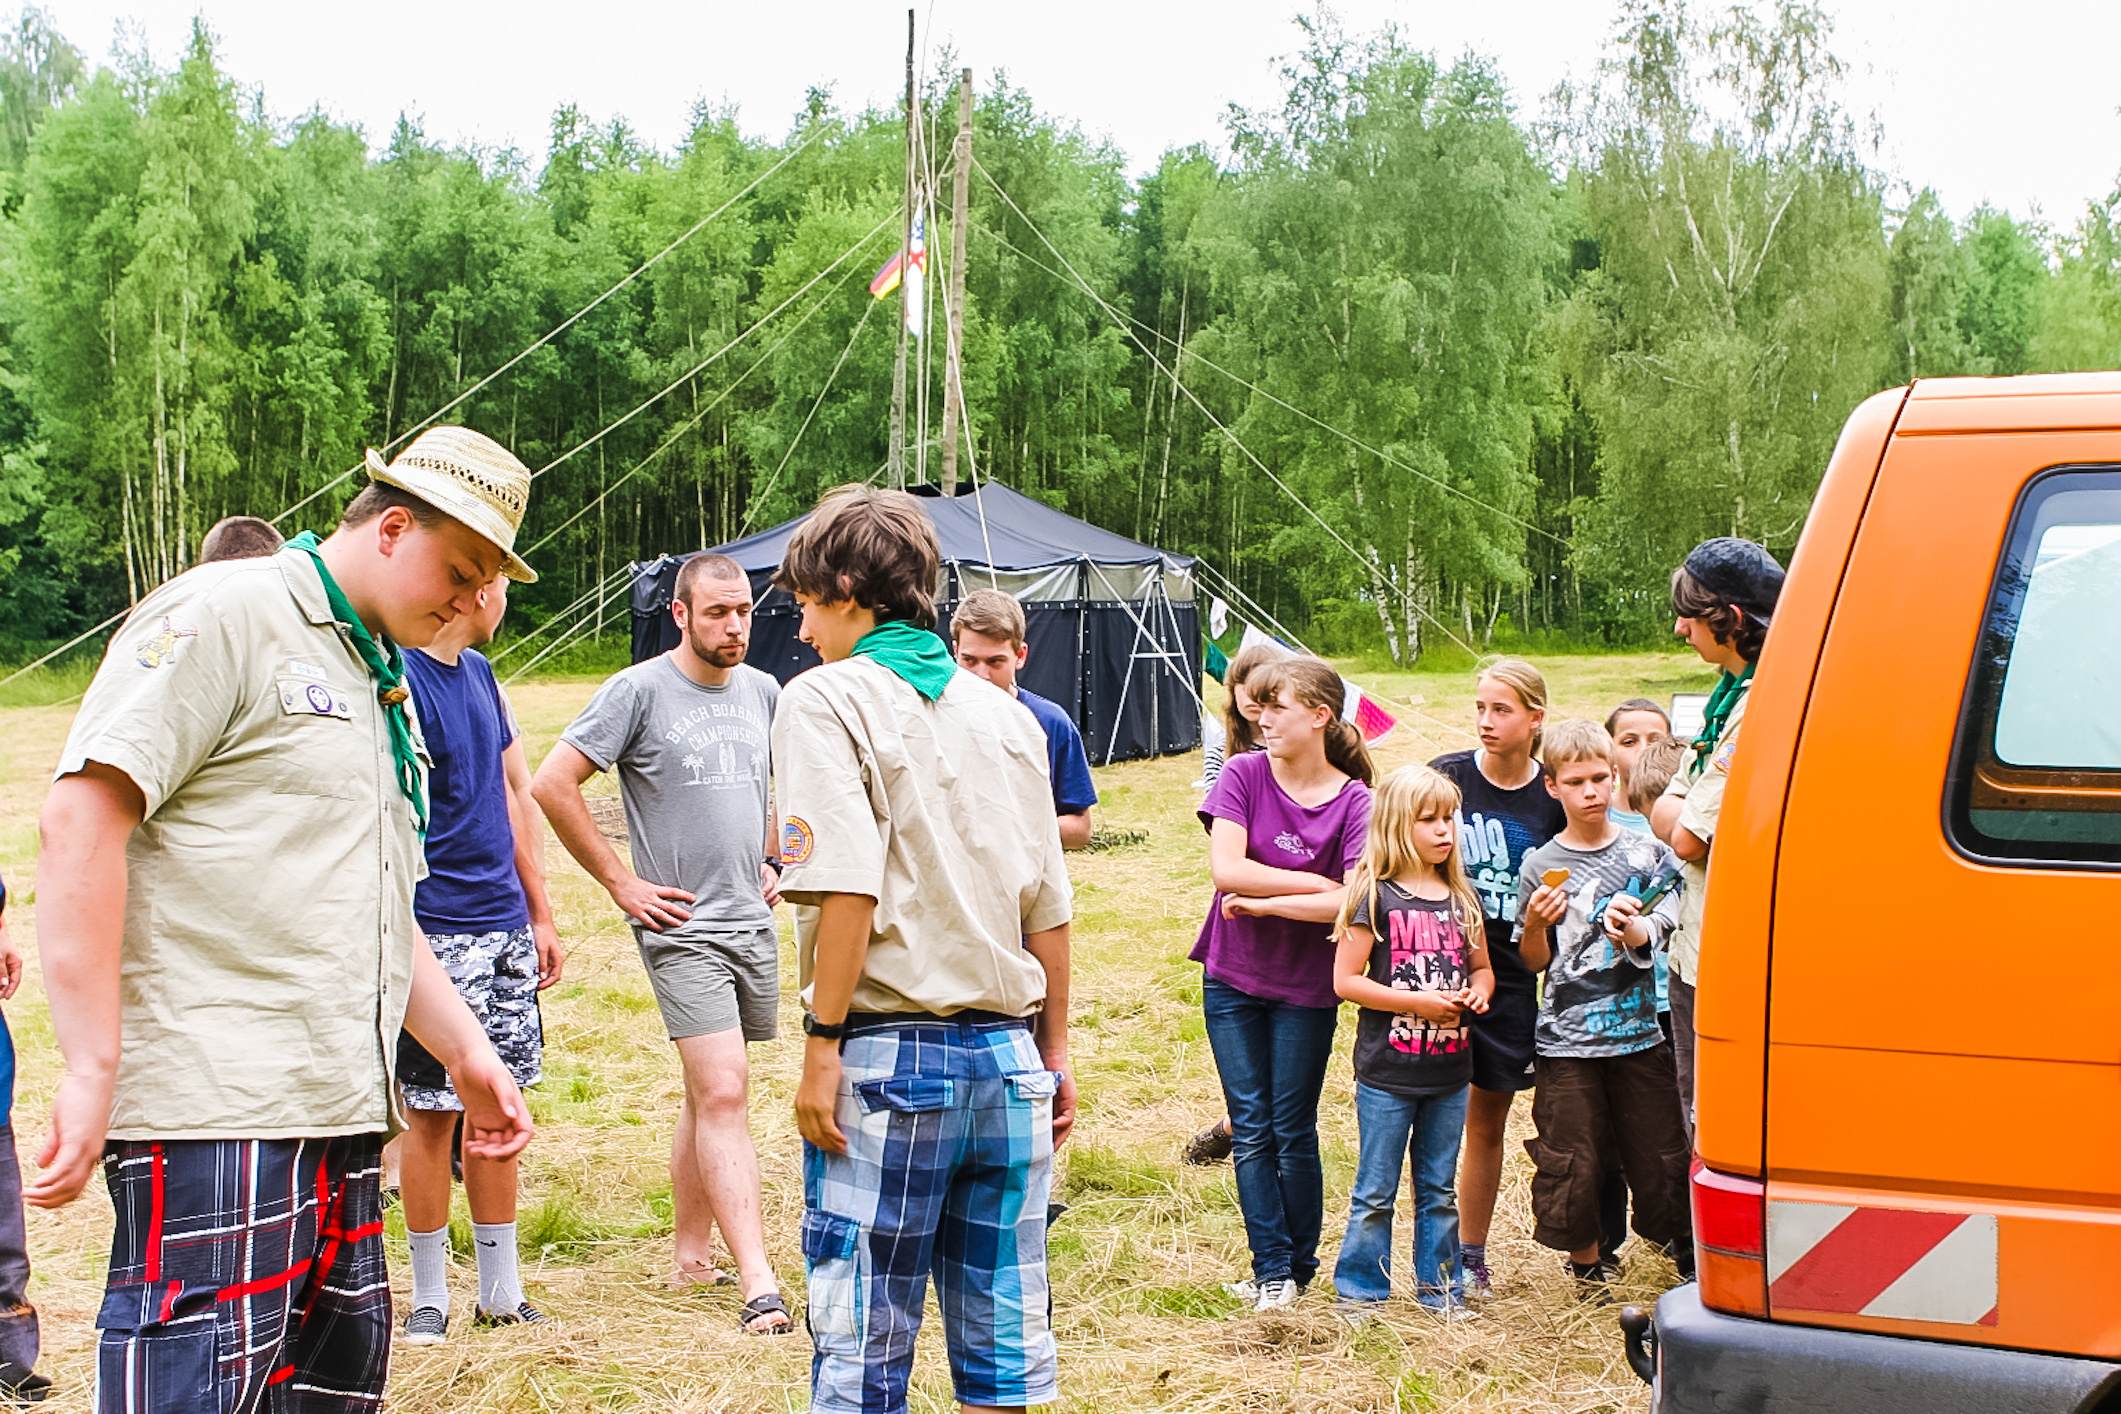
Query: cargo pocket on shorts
column 169, row 1363
column 1563, row 1197
column 905, row 1094
column 832, row 1248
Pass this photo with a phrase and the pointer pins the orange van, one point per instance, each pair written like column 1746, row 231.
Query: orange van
column 1907, row 1178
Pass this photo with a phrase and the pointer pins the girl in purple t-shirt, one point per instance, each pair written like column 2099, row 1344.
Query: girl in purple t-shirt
column 1285, row 827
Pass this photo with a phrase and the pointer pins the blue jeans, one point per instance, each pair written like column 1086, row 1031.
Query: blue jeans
column 1272, row 1058
column 1395, row 1128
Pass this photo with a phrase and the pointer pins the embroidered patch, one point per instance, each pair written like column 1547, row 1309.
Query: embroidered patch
column 1722, row 759
column 160, row 646
column 306, row 670
column 797, row 840
column 313, row 699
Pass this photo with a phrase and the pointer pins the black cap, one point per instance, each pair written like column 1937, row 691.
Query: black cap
column 1738, row 572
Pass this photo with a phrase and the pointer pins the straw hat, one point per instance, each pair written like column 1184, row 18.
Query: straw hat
column 471, row 478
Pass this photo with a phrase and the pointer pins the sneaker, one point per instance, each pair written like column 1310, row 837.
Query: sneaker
column 1210, row 1146
column 1274, row 1295
column 1246, row 1290
column 1449, row 1311
column 1594, row 1283
column 524, row 1314
column 1478, row 1285
column 425, row 1326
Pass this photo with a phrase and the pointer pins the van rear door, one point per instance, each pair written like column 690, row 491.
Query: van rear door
column 1943, row 1120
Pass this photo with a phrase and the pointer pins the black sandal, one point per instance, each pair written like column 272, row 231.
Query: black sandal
column 766, row 1304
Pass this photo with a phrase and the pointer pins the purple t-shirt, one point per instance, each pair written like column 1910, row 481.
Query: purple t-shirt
column 1280, row 959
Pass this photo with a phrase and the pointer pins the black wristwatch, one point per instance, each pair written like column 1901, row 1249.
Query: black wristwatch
column 813, row 1027
column 775, row 866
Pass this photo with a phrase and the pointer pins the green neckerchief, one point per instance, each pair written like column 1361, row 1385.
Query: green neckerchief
column 1722, row 702
column 387, row 666
column 915, row 654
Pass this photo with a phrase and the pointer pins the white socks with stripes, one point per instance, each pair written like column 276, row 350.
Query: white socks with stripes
column 430, row 1268
column 500, row 1285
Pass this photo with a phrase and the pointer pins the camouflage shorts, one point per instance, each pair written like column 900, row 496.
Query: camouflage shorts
column 497, row 976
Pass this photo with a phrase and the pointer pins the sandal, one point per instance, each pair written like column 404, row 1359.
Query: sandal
column 682, row 1280
column 766, row 1304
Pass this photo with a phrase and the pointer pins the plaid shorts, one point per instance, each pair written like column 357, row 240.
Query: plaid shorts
column 245, row 1275
column 948, row 1166
column 497, row 976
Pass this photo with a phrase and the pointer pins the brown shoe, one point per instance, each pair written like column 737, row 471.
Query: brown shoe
column 1210, row 1146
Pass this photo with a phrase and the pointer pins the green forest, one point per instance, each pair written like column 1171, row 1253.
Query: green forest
column 1414, row 359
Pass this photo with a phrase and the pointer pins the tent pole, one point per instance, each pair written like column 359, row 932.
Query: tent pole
column 954, row 310
column 905, row 299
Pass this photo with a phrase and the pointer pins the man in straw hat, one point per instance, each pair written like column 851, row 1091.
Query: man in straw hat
column 247, row 774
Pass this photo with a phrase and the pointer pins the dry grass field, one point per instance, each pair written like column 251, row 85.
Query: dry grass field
column 1138, row 1262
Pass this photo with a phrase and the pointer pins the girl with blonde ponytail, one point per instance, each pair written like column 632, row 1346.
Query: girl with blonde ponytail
column 1285, row 827
column 1505, row 812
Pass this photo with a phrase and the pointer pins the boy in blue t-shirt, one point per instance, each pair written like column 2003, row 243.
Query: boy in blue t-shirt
column 987, row 630
column 18, row 1319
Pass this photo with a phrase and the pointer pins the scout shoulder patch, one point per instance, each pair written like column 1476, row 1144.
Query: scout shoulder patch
column 1722, row 759
column 797, row 840
column 161, row 645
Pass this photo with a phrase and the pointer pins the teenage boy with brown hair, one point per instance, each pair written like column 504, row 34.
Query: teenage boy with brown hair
column 1605, row 1069
column 932, row 928
column 988, row 631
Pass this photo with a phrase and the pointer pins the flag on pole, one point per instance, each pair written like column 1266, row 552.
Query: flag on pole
column 909, row 266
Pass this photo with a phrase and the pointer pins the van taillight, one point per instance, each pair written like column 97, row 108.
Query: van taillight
column 1730, row 1241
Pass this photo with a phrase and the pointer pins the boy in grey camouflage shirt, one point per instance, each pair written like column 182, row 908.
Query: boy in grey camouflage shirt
column 1606, row 1078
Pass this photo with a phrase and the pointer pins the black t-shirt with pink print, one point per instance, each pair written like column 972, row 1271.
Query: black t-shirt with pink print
column 1418, row 948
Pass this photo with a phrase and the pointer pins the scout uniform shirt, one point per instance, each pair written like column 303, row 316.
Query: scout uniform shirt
column 940, row 811
column 269, row 931
column 1703, row 794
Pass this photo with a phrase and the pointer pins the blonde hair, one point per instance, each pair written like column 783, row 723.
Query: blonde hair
column 990, row 613
column 1572, row 741
column 1655, row 766
column 1402, row 799
column 1315, row 683
column 1526, row 681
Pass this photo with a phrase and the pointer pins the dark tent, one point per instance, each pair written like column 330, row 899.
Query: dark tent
column 1113, row 627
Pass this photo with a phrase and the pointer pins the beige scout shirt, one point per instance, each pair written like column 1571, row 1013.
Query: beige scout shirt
column 941, row 812
column 1704, row 803
column 268, row 915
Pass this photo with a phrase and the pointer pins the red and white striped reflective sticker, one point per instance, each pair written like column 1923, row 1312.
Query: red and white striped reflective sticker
column 1900, row 1263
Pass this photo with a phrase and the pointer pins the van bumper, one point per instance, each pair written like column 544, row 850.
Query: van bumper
column 1709, row 1363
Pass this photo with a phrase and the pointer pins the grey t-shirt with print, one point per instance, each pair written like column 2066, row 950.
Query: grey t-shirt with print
column 1600, row 999
column 694, row 768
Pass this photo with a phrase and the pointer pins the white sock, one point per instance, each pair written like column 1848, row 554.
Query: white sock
column 500, row 1286
column 430, row 1268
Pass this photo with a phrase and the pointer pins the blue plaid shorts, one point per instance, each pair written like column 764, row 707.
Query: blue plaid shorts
column 948, row 1167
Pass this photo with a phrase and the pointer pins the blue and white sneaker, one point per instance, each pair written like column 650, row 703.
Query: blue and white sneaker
column 425, row 1326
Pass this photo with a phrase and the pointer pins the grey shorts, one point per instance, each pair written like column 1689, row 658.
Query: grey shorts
column 709, row 982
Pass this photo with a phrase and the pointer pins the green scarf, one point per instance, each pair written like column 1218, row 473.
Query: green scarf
column 387, row 666
column 915, row 654
column 1722, row 702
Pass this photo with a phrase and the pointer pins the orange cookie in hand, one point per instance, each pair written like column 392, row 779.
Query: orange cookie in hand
column 1554, row 878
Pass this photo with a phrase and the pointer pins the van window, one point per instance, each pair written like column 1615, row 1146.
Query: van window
column 2037, row 774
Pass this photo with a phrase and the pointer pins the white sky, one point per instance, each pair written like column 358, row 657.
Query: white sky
column 2011, row 104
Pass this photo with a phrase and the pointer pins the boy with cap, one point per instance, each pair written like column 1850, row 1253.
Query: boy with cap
column 988, row 632
column 1723, row 598
column 225, row 890
column 932, row 927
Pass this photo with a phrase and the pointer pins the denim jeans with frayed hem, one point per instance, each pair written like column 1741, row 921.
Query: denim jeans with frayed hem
column 1395, row 1129
column 1272, row 1058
